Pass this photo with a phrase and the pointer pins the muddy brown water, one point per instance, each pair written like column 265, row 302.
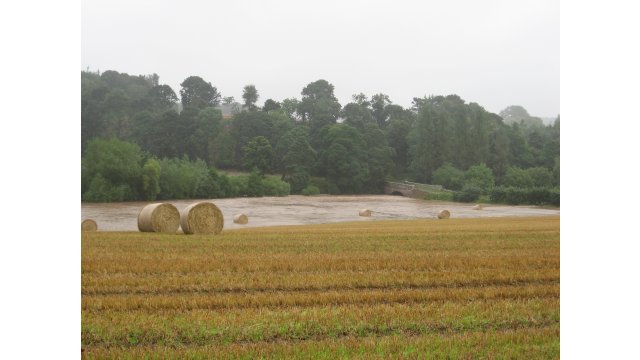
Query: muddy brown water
column 301, row 210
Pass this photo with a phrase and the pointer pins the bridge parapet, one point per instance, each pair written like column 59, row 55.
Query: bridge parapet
column 409, row 189
column 401, row 186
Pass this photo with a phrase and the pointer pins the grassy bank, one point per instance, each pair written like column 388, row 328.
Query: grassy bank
column 461, row 288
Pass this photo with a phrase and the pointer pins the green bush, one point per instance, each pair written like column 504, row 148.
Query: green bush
column 182, row 179
column 310, row 190
column 516, row 177
column 498, row 195
column 528, row 178
column 448, row 176
column 238, row 185
column 479, row 176
column 215, row 186
column 526, row 196
column 469, row 193
column 298, row 179
column 440, row 195
column 111, row 171
column 541, row 177
column 151, row 179
column 272, row 186
column 254, row 185
column 102, row 190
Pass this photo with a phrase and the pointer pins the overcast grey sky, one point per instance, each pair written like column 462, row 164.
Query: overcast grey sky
column 493, row 52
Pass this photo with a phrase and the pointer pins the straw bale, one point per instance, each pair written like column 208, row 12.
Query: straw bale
column 159, row 217
column 89, row 225
column 201, row 218
column 240, row 219
column 365, row 212
column 444, row 214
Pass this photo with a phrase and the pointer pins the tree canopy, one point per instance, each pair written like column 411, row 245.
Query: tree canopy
column 135, row 134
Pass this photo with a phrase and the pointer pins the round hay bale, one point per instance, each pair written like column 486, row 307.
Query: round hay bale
column 240, row 219
column 477, row 207
column 89, row 225
column 444, row 214
column 201, row 218
column 365, row 212
column 159, row 217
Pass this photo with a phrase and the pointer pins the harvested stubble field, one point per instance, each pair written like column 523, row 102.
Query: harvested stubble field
column 457, row 288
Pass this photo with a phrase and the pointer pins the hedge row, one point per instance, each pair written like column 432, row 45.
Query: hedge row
column 526, row 196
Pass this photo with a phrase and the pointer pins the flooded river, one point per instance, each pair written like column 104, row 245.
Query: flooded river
column 301, row 210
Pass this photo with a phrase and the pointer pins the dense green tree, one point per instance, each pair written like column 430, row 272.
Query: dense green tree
column 135, row 87
column 479, row 176
column 162, row 97
column 400, row 123
column 379, row 103
column 102, row 190
column 117, row 122
column 449, row 177
column 271, row 105
column 520, row 152
column 248, row 125
column 400, row 113
column 280, row 125
column 361, row 99
column 250, row 97
column 206, row 128
column 397, row 135
column 151, row 179
column 319, row 107
column 379, row 158
column 290, row 107
column 295, row 158
column 116, row 165
column 181, row 178
column 516, row 114
column 528, row 178
column 217, row 185
column 551, row 145
column 499, row 153
column 156, row 132
column 198, row 93
column 254, row 184
column 540, row 176
column 258, row 154
column 272, row 186
column 429, row 139
column 482, row 126
column 343, row 158
column 556, row 172
column 376, row 139
column 516, row 177
column 357, row 115
column 222, row 148
column 92, row 122
column 110, row 101
column 184, row 130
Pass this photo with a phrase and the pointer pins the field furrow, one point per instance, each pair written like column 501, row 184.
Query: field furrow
column 424, row 288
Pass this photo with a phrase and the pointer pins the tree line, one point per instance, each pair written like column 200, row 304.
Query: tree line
column 310, row 142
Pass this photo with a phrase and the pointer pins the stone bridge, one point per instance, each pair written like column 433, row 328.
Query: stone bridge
column 409, row 189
